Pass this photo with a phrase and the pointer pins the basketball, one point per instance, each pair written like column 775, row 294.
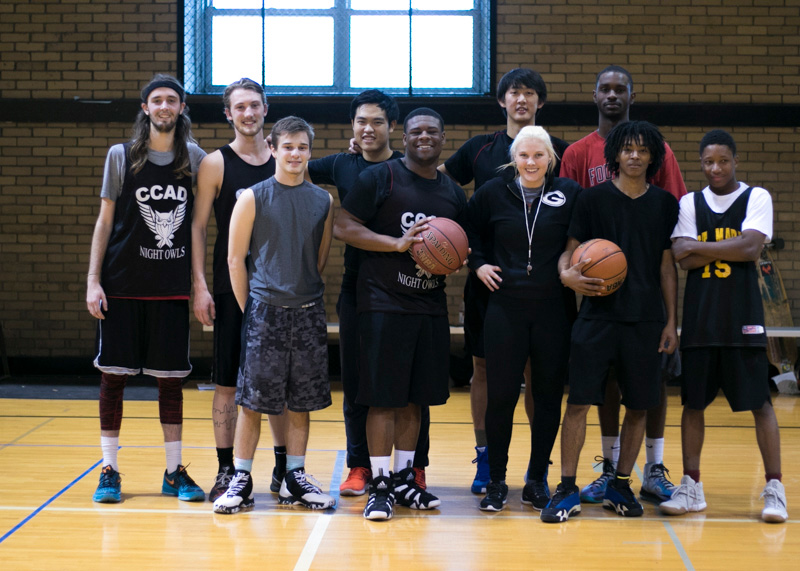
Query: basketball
column 443, row 249
column 608, row 263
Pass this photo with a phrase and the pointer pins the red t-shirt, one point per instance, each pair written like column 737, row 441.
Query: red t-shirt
column 585, row 163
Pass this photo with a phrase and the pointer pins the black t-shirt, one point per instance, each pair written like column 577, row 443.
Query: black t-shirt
column 342, row 170
column 497, row 216
column 237, row 175
column 390, row 198
column 641, row 227
column 480, row 157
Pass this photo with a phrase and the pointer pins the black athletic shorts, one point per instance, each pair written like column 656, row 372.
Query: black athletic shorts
column 404, row 359
column 476, row 300
column 144, row 336
column 741, row 372
column 633, row 350
column 227, row 340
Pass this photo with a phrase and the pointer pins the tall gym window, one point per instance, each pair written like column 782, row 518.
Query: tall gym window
column 339, row 47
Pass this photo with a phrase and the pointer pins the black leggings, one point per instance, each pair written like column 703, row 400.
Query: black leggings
column 515, row 330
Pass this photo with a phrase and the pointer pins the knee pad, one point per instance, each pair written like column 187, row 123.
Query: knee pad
column 170, row 400
column 112, row 389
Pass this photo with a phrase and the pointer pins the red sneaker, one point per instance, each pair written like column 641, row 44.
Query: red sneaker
column 357, row 481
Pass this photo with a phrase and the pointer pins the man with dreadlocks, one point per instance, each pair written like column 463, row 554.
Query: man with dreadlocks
column 139, row 278
column 629, row 329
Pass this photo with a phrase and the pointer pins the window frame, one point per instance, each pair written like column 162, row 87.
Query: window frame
column 197, row 52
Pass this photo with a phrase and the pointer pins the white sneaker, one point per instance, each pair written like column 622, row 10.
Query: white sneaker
column 774, row 503
column 688, row 497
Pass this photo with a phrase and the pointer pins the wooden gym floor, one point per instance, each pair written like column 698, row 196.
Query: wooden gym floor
column 49, row 465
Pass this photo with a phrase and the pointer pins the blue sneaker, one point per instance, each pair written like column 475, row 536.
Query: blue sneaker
column 621, row 499
column 482, row 477
column 655, row 485
column 594, row 492
column 108, row 490
column 564, row 504
column 180, row 484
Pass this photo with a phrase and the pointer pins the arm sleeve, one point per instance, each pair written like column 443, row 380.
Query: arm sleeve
column 366, row 197
column 460, row 166
column 759, row 213
column 669, row 176
column 560, row 146
column 477, row 227
column 569, row 166
column 579, row 225
column 196, row 155
column 114, row 173
column 687, row 221
column 321, row 170
column 671, row 209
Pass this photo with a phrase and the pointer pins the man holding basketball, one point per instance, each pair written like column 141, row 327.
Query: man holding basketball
column 629, row 328
column 584, row 162
column 402, row 310
column 373, row 115
column 281, row 231
column 520, row 93
column 228, row 170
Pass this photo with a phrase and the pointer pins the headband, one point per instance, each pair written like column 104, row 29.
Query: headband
column 172, row 84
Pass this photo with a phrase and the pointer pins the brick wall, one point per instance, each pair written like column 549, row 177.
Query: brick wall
column 722, row 52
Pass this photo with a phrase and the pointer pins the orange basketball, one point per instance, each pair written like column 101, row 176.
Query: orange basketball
column 608, row 263
column 443, row 249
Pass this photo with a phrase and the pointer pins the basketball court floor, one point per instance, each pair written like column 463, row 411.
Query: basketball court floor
column 50, row 460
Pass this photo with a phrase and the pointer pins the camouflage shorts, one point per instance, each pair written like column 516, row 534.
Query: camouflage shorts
column 284, row 359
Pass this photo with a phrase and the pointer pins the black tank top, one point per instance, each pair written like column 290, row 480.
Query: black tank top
column 149, row 250
column 722, row 305
column 237, row 176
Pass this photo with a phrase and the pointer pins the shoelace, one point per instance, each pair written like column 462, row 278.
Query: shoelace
column 308, row 482
column 223, row 478
column 183, row 477
column 771, row 497
column 238, row 482
column 108, row 479
column 659, row 471
column 539, row 488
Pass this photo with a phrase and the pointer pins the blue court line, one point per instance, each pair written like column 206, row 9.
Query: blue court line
column 48, row 502
column 35, row 428
column 679, row 546
column 336, row 478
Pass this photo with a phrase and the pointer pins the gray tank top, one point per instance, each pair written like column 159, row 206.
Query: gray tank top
column 284, row 247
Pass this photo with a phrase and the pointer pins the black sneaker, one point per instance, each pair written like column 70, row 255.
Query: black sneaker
column 621, row 499
column 408, row 493
column 380, row 505
column 301, row 489
column 221, row 483
column 496, row 497
column 277, row 480
column 239, row 495
column 536, row 494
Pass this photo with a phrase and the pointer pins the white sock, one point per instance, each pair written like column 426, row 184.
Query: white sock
column 611, row 448
column 243, row 464
column 110, row 446
column 654, row 449
column 403, row 459
column 380, row 465
column 173, row 450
